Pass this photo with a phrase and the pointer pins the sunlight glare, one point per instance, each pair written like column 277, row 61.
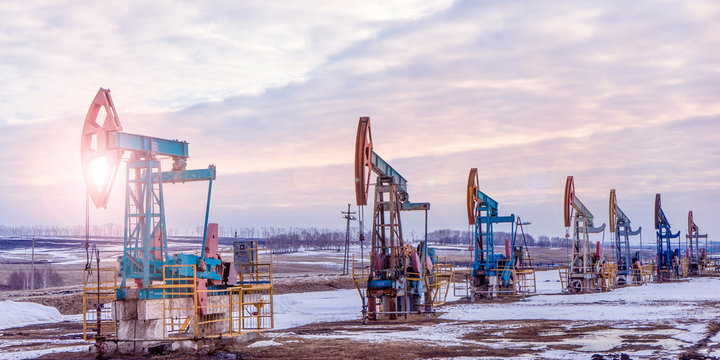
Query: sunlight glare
column 98, row 170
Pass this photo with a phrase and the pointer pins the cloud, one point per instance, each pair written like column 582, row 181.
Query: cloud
column 618, row 95
column 168, row 55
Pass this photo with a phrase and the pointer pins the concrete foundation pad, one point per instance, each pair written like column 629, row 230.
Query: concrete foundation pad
column 141, row 322
column 166, row 346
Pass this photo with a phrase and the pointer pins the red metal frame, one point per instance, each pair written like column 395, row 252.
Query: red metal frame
column 93, row 146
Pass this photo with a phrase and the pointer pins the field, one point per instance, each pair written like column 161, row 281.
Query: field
column 318, row 317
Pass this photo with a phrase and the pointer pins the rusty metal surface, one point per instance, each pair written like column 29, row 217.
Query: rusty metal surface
column 363, row 163
column 471, row 199
column 613, row 210
column 569, row 198
column 94, row 148
column 658, row 212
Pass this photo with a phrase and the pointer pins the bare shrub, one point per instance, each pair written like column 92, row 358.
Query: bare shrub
column 44, row 278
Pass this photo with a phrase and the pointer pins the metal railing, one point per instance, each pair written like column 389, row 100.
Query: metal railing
column 526, row 284
column 564, row 272
column 608, row 276
column 440, row 280
column 252, row 308
column 99, row 292
column 179, row 302
column 462, row 288
column 225, row 312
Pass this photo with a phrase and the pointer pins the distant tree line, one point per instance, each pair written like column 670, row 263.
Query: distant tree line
column 465, row 237
column 281, row 239
column 106, row 230
column 555, row 241
column 294, row 239
column 117, row 230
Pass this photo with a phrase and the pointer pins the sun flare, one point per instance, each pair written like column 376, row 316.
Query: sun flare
column 98, row 171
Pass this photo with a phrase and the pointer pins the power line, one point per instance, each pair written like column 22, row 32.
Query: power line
column 347, row 215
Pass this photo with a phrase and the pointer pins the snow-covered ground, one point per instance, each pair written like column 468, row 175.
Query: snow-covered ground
column 664, row 318
column 32, row 354
column 293, row 310
column 652, row 301
column 548, row 282
column 14, row 314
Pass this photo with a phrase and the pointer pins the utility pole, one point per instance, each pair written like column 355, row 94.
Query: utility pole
column 32, row 267
column 347, row 215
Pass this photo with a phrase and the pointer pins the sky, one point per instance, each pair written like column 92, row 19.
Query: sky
column 619, row 95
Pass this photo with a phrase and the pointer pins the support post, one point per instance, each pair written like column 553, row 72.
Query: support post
column 207, row 213
column 347, row 215
column 32, row 266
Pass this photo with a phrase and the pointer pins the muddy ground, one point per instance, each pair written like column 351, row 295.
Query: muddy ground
column 524, row 339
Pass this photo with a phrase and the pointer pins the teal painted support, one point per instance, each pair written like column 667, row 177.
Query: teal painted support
column 163, row 225
column 664, row 244
column 487, row 201
column 499, row 219
column 148, row 220
column 190, row 259
column 144, row 221
column 126, row 236
column 184, row 176
column 485, row 257
column 384, row 169
column 408, row 206
column 207, row 213
column 146, row 144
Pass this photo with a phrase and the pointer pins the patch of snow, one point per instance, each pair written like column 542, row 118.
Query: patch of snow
column 547, row 282
column 597, row 341
column 298, row 309
column 554, row 354
column 444, row 333
column 264, row 343
column 29, row 342
column 73, row 318
column 327, row 264
column 547, row 311
column 33, row 354
column 16, row 314
column 715, row 338
column 692, row 334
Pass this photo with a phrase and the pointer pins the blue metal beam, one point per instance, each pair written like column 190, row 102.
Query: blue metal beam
column 408, row 206
column 382, row 168
column 184, row 176
column 485, row 200
column 134, row 142
column 498, row 219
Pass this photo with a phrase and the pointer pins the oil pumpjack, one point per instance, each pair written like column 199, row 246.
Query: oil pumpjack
column 696, row 255
column 629, row 265
column 669, row 263
column 400, row 279
column 585, row 271
column 495, row 274
column 145, row 240
column 197, row 295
